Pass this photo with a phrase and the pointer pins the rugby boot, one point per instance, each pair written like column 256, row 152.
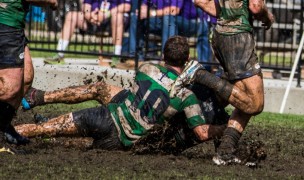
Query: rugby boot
column 55, row 60
column 226, row 152
column 5, row 147
column 32, row 98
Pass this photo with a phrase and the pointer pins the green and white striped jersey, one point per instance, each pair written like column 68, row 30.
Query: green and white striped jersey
column 149, row 103
column 235, row 17
column 13, row 12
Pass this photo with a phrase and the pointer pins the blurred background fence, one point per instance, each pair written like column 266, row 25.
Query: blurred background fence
column 276, row 47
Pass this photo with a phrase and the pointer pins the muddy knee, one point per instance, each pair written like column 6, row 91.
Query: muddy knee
column 254, row 108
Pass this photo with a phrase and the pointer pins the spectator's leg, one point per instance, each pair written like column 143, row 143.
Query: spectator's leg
column 169, row 28
column 203, row 47
column 132, row 33
column 129, row 44
column 73, row 20
column 117, row 25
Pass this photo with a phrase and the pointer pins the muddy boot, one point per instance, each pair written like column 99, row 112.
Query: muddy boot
column 8, row 135
column 226, row 152
column 13, row 137
column 6, row 147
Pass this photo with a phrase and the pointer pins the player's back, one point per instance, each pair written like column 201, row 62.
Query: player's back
column 147, row 101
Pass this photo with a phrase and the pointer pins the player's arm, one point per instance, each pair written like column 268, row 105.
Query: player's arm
column 209, row 6
column 195, row 119
column 260, row 12
column 205, row 132
column 52, row 3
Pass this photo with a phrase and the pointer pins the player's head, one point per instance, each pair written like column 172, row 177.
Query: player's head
column 176, row 51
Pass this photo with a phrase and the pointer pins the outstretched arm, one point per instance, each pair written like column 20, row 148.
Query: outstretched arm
column 261, row 13
column 208, row 6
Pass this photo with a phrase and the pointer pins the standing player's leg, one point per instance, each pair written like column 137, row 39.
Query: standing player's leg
column 12, row 45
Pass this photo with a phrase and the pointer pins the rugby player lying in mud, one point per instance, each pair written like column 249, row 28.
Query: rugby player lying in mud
column 137, row 116
column 122, row 122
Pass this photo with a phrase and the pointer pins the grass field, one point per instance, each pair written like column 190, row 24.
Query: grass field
column 51, row 159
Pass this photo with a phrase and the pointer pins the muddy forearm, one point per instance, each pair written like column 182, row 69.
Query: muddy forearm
column 206, row 131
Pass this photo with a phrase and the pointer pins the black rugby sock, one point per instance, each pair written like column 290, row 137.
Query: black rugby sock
column 221, row 86
column 230, row 138
column 7, row 112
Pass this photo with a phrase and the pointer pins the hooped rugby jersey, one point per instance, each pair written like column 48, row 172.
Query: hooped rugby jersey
column 148, row 103
column 235, row 17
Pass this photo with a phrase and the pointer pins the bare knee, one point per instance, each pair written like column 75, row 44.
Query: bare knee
column 257, row 109
column 254, row 108
column 10, row 93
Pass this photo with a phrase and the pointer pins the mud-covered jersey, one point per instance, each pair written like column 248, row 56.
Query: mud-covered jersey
column 13, row 12
column 148, row 103
column 234, row 18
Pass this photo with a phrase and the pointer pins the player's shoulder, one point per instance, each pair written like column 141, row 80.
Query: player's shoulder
column 150, row 67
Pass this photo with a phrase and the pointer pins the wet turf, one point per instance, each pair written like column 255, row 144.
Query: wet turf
column 53, row 158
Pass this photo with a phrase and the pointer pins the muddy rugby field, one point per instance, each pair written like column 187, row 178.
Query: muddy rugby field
column 64, row 158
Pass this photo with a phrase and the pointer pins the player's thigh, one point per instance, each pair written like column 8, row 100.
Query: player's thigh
column 254, row 88
column 12, row 43
column 11, row 83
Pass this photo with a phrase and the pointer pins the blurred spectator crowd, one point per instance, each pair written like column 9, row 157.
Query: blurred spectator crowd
column 140, row 27
column 135, row 25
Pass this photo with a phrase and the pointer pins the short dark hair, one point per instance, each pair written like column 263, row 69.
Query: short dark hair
column 176, row 51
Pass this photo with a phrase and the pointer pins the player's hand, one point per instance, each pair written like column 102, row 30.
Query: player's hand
column 268, row 21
